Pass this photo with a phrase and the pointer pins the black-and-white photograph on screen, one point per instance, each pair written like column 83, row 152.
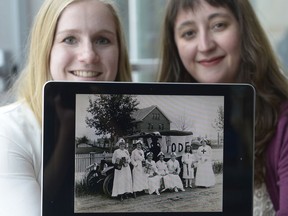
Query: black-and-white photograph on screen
column 147, row 153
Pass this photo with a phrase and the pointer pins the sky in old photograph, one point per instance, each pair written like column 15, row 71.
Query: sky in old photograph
column 197, row 113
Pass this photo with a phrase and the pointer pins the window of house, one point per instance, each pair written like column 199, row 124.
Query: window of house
column 156, row 116
column 150, row 126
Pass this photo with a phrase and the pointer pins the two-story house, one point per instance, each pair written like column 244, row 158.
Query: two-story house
column 150, row 119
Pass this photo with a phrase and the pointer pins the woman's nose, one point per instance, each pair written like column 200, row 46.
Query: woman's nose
column 88, row 53
column 206, row 42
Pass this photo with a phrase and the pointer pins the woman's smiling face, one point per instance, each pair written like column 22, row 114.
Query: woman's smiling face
column 208, row 42
column 85, row 46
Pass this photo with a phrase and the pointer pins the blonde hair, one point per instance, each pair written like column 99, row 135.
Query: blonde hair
column 36, row 71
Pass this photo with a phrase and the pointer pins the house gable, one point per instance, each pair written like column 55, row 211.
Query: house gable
column 150, row 119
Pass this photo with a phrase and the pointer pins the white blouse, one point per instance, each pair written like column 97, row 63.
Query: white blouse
column 262, row 203
column 20, row 161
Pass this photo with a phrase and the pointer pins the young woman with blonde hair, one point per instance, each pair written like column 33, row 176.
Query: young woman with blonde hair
column 42, row 38
column 70, row 40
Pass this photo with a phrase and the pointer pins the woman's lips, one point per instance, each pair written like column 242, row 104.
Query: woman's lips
column 211, row 62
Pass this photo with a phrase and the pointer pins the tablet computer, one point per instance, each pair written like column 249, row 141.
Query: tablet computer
column 83, row 122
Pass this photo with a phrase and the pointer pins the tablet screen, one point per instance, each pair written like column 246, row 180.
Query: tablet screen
column 83, row 123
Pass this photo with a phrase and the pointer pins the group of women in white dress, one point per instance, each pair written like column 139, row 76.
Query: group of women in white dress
column 155, row 177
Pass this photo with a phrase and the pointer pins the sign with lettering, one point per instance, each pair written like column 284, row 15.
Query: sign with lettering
column 174, row 144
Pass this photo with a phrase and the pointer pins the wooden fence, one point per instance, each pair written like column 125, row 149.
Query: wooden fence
column 84, row 160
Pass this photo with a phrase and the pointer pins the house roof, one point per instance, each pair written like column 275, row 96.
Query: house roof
column 140, row 114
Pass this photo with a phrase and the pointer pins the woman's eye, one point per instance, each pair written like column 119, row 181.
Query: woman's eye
column 102, row 41
column 219, row 26
column 188, row 34
column 70, row 40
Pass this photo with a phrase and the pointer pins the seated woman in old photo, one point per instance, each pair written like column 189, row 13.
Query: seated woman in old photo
column 152, row 174
column 174, row 171
column 163, row 171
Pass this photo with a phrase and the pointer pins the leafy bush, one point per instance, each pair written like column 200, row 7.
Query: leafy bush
column 218, row 167
column 81, row 188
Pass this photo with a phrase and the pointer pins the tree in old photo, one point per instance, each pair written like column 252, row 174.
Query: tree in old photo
column 111, row 114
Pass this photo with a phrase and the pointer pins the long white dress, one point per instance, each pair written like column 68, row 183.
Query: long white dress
column 188, row 171
column 154, row 179
column 174, row 179
column 140, row 181
column 122, row 182
column 204, row 176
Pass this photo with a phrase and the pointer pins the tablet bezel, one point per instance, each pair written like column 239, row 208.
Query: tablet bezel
column 239, row 105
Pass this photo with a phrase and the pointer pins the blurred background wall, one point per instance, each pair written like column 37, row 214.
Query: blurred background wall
column 142, row 21
column 16, row 20
column 274, row 19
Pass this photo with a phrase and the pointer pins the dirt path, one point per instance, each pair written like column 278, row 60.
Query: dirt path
column 196, row 199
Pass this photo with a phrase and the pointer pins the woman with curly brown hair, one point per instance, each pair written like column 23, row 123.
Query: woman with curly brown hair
column 222, row 41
